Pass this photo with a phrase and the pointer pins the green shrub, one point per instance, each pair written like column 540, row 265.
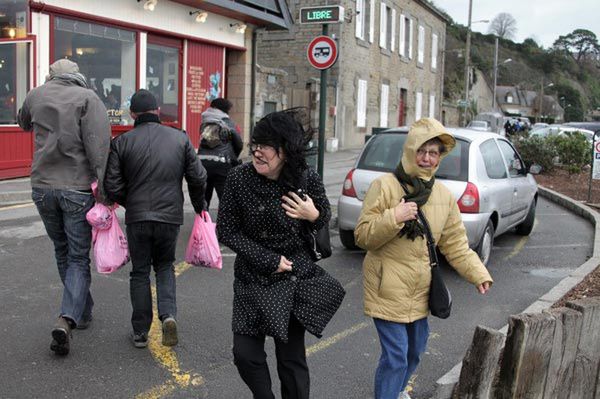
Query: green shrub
column 537, row 150
column 574, row 151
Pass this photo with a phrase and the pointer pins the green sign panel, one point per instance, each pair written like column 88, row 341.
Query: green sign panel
column 321, row 15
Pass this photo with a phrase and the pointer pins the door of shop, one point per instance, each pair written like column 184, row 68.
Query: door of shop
column 205, row 82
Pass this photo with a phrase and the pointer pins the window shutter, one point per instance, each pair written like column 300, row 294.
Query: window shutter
column 393, row 34
column 418, row 105
column 421, row 45
column 382, row 25
column 434, row 50
column 401, row 47
column 410, row 39
column 383, row 109
column 371, row 21
column 361, row 104
column 360, row 19
column 432, row 105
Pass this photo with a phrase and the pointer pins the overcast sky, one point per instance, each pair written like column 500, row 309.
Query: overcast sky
column 542, row 20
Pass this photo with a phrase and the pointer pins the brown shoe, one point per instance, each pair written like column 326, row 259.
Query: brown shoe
column 169, row 330
column 61, row 335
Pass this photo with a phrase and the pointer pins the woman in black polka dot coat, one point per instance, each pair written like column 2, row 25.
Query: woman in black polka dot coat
column 278, row 290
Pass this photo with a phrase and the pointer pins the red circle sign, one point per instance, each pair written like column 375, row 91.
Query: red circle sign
column 322, row 52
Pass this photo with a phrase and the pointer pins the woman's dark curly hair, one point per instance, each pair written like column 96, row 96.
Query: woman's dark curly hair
column 288, row 131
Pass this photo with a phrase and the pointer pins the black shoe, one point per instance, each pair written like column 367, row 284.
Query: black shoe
column 169, row 330
column 61, row 335
column 139, row 340
column 84, row 323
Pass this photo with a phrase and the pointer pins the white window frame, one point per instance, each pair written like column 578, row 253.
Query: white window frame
column 383, row 25
column 360, row 19
column 402, row 38
column 361, row 103
column 434, row 51
column 421, row 45
column 432, row 105
column 384, row 106
column 371, row 21
column 418, row 105
column 411, row 38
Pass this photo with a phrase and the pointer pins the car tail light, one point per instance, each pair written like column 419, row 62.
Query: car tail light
column 348, row 188
column 469, row 200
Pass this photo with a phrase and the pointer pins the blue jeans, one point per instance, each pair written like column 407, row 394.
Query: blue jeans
column 63, row 213
column 151, row 244
column 401, row 347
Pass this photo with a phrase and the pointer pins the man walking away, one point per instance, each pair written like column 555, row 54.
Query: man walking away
column 144, row 174
column 72, row 139
column 220, row 145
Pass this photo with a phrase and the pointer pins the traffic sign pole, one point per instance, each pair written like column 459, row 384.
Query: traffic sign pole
column 322, row 114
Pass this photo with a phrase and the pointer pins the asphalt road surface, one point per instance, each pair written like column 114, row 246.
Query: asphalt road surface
column 104, row 364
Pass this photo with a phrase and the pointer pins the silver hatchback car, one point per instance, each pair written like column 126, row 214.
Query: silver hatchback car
column 484, row 172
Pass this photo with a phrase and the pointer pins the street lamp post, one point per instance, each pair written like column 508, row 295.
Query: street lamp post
column 541, row 100
column 496, row 73
column 467, row 58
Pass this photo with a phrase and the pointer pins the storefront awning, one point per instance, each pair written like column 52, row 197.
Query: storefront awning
column 272, row 14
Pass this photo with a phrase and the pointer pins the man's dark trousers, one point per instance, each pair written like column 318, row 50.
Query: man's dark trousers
column 152, row 244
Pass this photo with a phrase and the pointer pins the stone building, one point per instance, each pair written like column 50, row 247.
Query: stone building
column 389, row 71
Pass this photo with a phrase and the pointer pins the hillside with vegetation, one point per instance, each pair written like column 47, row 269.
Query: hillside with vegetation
column 572, row 64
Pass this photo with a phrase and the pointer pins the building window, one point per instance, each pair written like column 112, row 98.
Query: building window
column 361, row 104
column 405, row 45
column 421, row 45
column 360, row 19
column 509, row 98
column 162, row 79
column 106, row 57
column 13, row 19
column 418, row 105
column 269, row 107
column 434, row 51
column 383, row 110
column 432, row 105
column 15, row 59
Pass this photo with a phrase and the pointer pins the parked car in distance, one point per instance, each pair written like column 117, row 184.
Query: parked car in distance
column 539, row 125
column 592, row 126
column 483, row 126
column 484, row 172
column 560, row 130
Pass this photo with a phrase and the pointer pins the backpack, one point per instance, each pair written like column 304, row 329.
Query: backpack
column 212, row 134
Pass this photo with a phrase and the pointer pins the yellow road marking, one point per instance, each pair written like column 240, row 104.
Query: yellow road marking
column 337, row 337
column 520, row 244
column 165, row 356
column 6, row 208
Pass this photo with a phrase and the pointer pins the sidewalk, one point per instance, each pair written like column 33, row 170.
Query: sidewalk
column 18, row 191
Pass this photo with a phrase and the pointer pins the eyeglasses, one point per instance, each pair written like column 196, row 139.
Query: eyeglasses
column 432, row 153
column 260, row 147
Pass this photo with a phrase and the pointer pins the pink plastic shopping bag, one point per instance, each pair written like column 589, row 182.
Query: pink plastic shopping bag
column 100, row 216
column 203, row 247
column 110, row 246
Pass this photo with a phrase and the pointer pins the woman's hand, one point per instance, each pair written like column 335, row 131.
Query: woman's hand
column 405, row 211
column 483, row 287
column 284, row 265
column 297, row 208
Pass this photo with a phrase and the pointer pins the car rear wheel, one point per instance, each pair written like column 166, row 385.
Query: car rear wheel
column 347, row 239
column 484, row 249
column 526, row 226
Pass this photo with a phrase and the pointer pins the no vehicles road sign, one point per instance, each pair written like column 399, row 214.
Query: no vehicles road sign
column 322, row 52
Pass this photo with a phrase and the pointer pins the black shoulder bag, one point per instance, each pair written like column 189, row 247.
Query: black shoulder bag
column 318, row 241
column 440, row 299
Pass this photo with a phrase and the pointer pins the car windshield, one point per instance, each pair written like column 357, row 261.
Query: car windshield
column 384, row 151
column 478, row 123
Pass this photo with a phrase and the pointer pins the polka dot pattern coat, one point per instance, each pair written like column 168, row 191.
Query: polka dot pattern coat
column 253, row 224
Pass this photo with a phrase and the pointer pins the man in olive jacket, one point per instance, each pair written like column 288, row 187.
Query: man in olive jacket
column 145, row 170
column 397, row 272
column 72, row 138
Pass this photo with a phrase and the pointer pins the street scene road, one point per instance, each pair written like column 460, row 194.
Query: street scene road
column 104, row 364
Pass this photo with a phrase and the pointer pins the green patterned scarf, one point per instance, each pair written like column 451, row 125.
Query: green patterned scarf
column 422, row 189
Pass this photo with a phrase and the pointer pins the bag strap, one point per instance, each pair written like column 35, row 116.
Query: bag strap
column 433, row 259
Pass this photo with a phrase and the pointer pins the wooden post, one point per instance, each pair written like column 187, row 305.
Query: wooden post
column 564, row 349
column 587, row 360
column 526, row 356
column 480, row 364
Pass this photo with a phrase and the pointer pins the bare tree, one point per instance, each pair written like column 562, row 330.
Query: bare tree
column 503, row 25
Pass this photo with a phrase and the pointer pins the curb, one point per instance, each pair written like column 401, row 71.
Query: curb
column 445, row 384
column 15, row 197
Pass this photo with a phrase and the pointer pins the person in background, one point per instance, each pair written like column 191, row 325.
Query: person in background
column 72, row 139
column 220, row 145
column 145, row 170
column 266, row 208
column 397, row 271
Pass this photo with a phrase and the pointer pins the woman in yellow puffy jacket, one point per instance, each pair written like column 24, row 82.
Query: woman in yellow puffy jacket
column 397, row 272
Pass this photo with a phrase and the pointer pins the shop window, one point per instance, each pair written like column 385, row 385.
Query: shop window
column 15, row 58
column 106, row 57
column 162, row 79
column 13, row 19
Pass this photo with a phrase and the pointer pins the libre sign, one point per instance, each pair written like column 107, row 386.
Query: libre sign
column 321, row 15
